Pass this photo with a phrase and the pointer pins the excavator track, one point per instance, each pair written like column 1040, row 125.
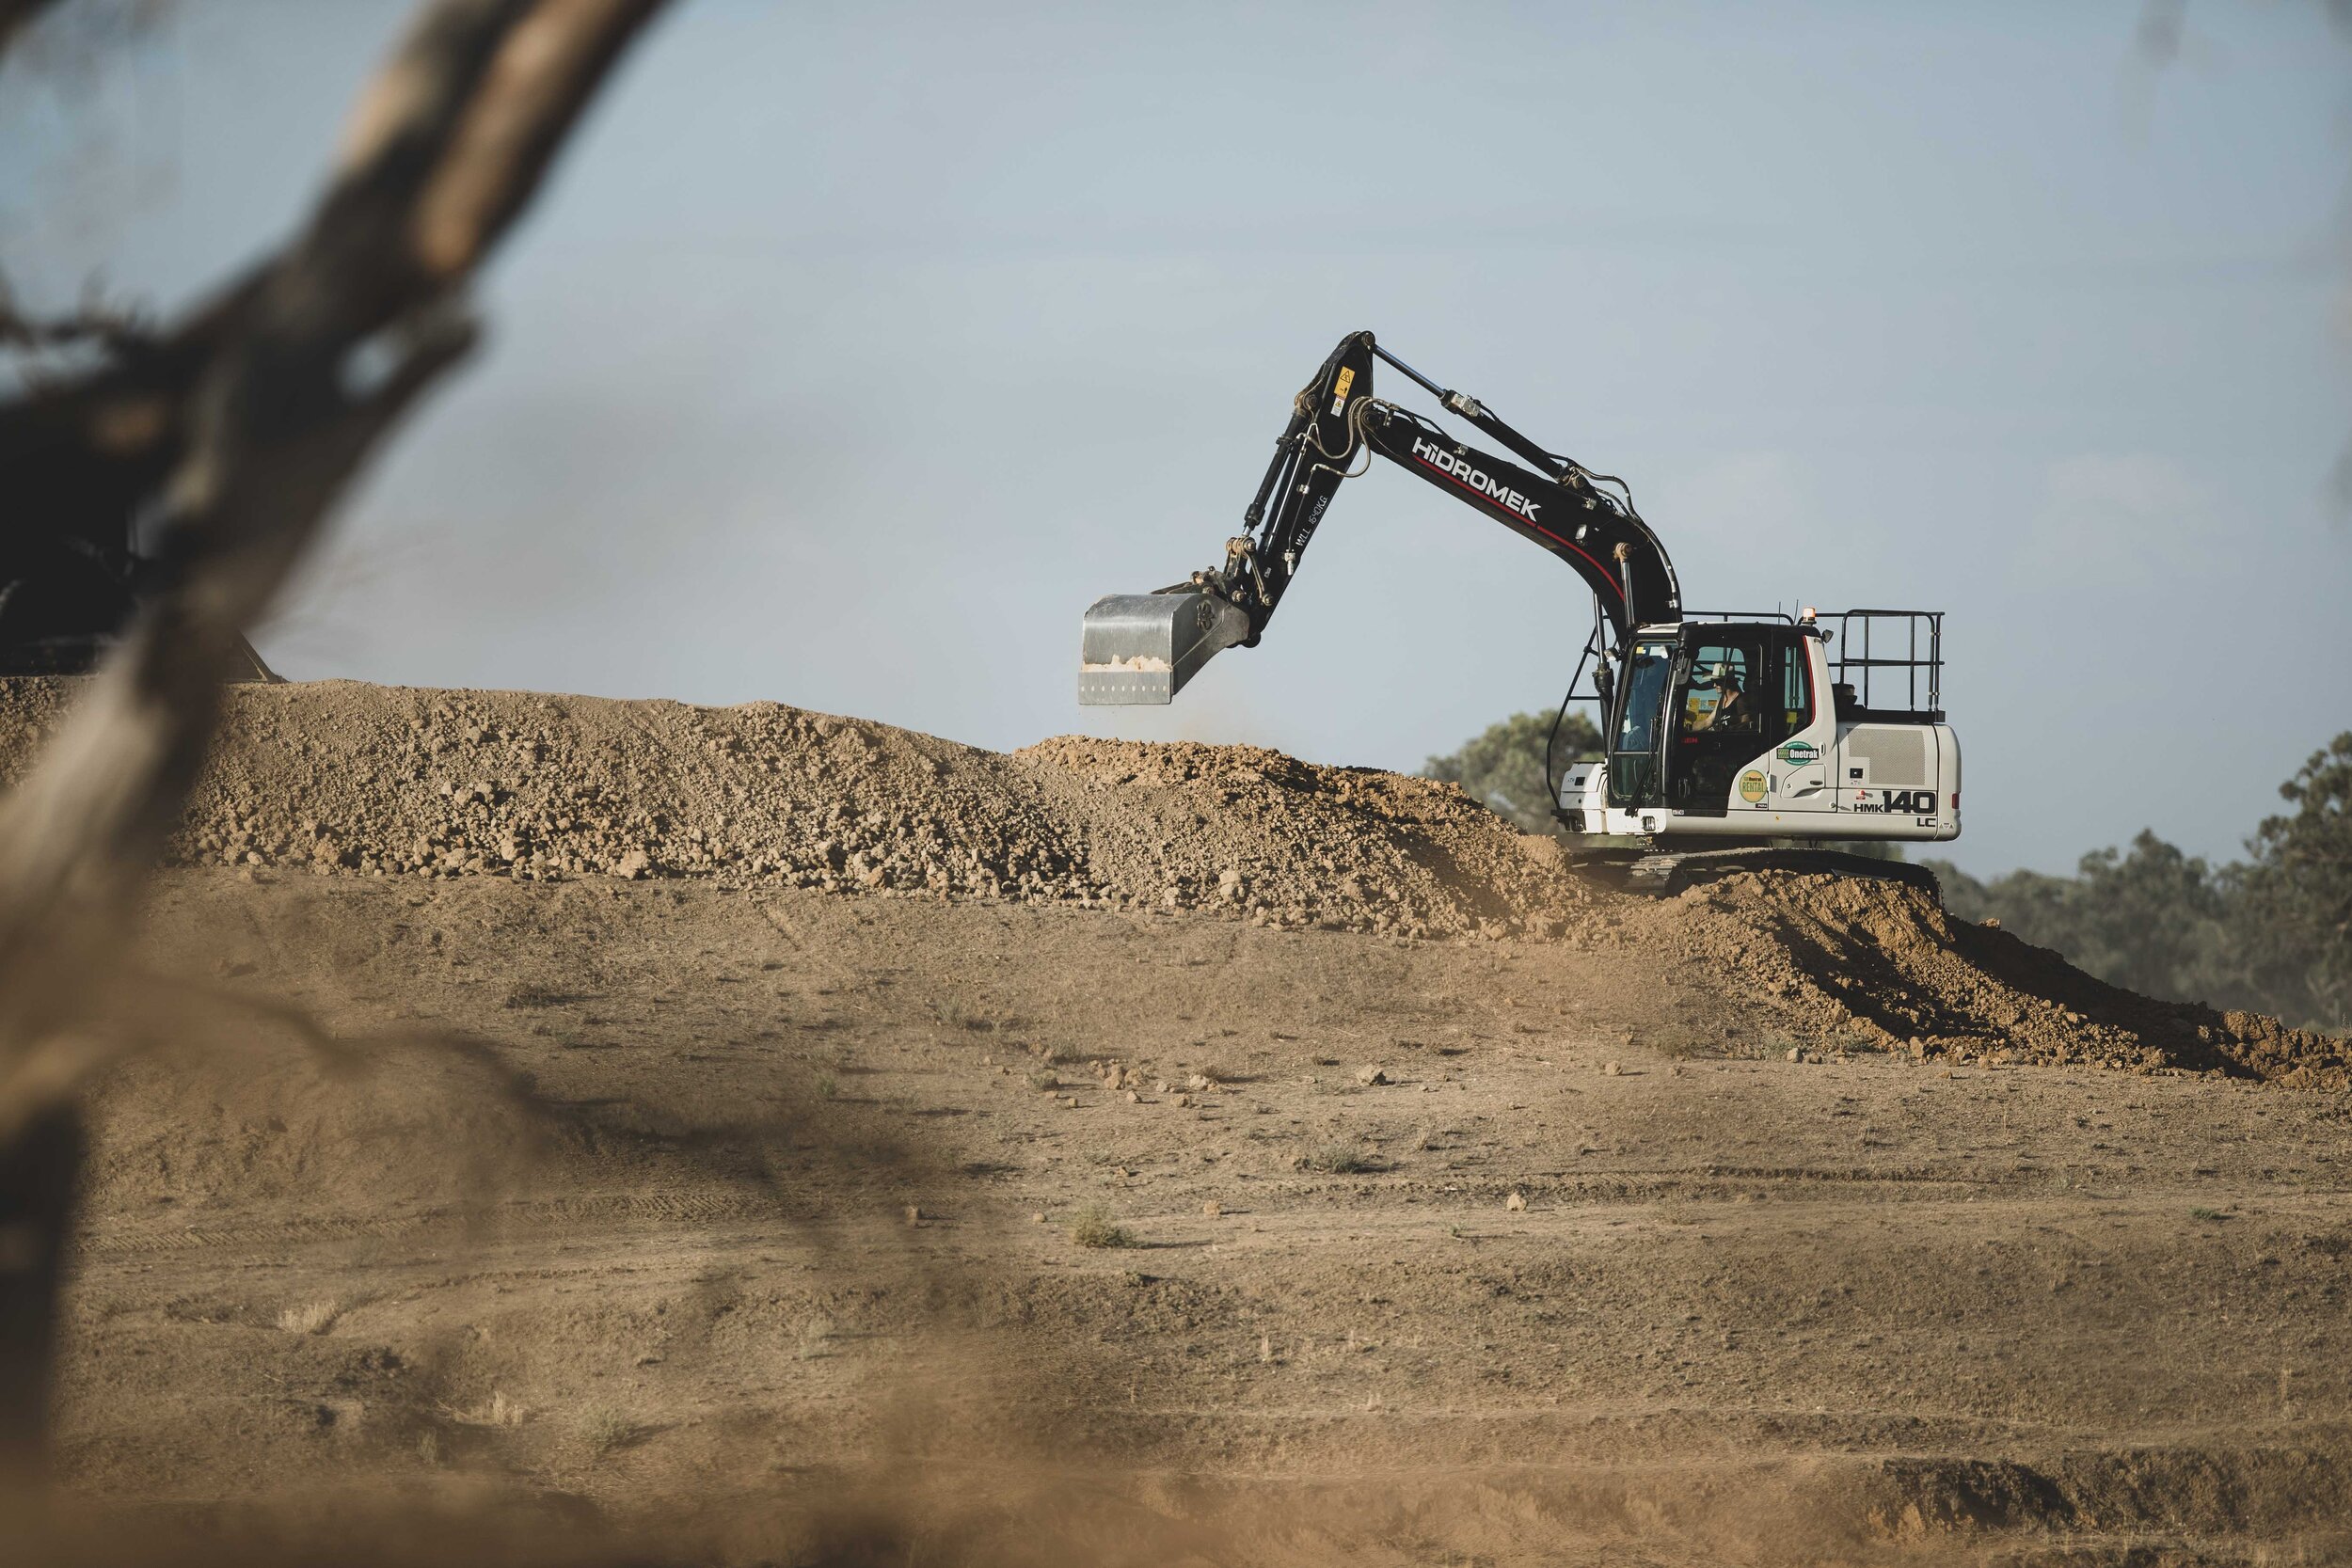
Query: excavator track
column 1663, row 873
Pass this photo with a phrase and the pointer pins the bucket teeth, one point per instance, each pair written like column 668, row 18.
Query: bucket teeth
column 1143, row 647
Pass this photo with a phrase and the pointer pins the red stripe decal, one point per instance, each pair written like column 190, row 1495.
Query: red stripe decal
column 1486, row 500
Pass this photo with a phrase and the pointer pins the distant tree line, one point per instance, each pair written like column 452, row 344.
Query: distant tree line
column 2271, row 933
column 1502, row 768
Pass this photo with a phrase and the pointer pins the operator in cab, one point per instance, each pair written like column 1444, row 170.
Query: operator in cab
column 1732, row 712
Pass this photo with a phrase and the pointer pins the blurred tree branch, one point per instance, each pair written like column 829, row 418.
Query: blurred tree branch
column 236, row 429
column 116, row 330
column 15, row 15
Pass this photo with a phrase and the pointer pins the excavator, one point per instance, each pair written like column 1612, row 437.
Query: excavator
column 1731, row 740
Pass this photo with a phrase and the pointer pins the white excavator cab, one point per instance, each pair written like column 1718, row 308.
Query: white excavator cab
column 1763, row 728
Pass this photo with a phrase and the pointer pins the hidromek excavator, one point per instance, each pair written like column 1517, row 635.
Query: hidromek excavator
column 1722, row 731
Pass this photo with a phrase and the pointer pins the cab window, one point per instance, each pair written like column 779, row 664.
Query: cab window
column 1721, row 697
column 1756, row 688
column 1745, row 691
column 1645, row 683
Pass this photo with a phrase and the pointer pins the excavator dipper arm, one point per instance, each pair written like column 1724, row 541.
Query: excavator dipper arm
column 1141, row 648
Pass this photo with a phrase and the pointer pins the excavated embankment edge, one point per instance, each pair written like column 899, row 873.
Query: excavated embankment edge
column 1893, row 969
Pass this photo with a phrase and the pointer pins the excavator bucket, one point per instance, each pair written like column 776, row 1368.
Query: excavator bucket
column 1143, row 647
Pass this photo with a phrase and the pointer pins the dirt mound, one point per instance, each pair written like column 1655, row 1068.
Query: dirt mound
column 343, row 778
column 1883, row 965
column 1297, row 844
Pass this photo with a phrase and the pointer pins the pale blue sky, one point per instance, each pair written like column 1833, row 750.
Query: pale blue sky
column 856, row 349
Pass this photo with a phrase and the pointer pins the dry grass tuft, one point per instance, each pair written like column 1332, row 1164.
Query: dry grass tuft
column 978, row 1021
column 604, row 1429
column 1092, row 1226
column 1678, row 1043
column 314, row 1317
column 1340, row 1158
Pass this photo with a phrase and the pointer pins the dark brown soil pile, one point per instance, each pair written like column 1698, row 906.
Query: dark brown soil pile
column 1883, row 965
column 343, row 778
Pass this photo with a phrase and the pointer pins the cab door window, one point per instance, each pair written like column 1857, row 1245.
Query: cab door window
column 1634, row 761
column 1745, row 691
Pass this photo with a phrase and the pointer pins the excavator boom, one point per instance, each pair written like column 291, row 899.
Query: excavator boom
column 1142, row 648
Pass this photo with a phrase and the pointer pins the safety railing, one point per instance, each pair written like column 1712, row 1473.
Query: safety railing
column 1889, row 659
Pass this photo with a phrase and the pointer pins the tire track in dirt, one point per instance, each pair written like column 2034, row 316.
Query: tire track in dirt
column 116, row 1239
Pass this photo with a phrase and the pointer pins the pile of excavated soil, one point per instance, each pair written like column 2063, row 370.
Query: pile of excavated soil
column 1884, row 965
column 343, row 778
column 1338, row 845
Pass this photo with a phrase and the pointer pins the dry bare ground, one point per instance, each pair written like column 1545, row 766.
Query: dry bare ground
column 765, row 1137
